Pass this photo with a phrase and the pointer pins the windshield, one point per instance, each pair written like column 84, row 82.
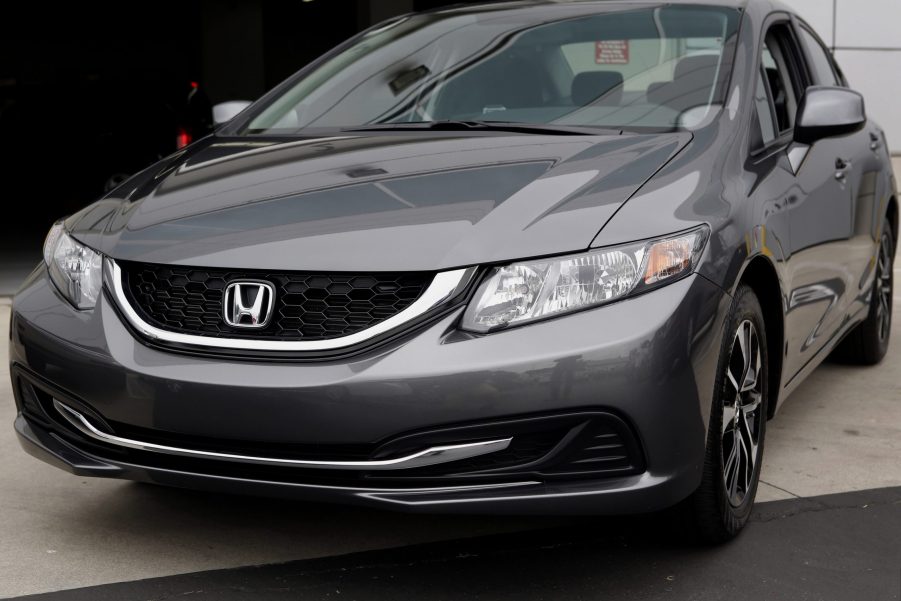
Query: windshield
column 609, row 66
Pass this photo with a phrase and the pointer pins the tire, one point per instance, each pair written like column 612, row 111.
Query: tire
column 868, row 343
column 722, row 504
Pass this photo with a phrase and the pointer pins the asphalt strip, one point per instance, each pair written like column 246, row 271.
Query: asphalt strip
column 842, row 547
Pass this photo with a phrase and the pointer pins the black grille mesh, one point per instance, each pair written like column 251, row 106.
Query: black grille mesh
column 308, row 306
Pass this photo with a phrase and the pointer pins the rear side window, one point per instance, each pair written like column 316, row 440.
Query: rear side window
column 821, row 65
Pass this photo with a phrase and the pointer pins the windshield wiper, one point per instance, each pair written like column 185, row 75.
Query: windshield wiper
column 504, row 126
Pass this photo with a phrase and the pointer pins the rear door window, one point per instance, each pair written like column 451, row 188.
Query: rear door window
column 820, row 63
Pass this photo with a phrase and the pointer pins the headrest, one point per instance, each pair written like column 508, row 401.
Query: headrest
column 590, row 86
column 657, row 91
column 695, row 66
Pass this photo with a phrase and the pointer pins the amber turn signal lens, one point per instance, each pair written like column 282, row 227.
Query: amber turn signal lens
column 669, row 258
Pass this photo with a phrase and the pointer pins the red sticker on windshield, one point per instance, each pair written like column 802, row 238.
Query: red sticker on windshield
column 611, row 52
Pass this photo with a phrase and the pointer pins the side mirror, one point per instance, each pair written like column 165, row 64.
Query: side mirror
column 828, row 112
column 226, row 111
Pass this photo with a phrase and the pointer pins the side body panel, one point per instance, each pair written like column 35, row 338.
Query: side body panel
column 816, row 232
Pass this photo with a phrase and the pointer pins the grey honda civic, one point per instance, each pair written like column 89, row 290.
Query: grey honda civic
column 526, row 258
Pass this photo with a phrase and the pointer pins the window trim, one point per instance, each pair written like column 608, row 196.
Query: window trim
column 795, row 63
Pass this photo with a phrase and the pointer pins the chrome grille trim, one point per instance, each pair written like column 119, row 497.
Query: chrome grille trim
column 445, row 286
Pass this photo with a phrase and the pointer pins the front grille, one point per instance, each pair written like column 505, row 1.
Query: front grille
column 308, row 306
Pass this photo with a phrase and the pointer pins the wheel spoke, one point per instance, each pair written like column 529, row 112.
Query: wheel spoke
column 729, row 417
column 730, row 460
column 735, row 371
column 732, row 467
column 754, row 367
column 748, row 439
column 751, row 356
column 732, row 379
column 747, row 471
column 744, row 342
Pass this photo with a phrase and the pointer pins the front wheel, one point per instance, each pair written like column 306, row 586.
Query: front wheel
column 722, row 504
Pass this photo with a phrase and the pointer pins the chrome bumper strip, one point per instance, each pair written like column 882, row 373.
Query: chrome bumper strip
column 445, row 286
column 430, row 456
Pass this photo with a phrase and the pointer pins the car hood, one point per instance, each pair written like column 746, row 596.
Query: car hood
column 374, row 202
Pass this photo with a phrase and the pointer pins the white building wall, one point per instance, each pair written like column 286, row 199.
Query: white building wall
column 866, row 38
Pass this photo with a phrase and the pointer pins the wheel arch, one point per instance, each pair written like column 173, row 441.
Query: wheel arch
column 761, row 276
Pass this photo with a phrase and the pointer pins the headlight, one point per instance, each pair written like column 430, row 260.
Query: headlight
column 75, row 269
column 532, row 290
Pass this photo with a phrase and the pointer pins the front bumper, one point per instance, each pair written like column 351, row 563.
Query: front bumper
column 647, row 363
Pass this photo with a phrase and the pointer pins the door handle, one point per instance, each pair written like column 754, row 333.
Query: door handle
column 874, row 142
column 841, row 168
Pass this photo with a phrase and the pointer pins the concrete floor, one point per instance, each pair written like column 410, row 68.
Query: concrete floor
column 841, row 431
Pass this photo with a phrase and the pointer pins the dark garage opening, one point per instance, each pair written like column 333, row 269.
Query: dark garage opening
column 92, row 92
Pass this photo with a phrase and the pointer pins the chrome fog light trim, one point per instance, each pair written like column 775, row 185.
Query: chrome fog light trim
column 429, row 456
